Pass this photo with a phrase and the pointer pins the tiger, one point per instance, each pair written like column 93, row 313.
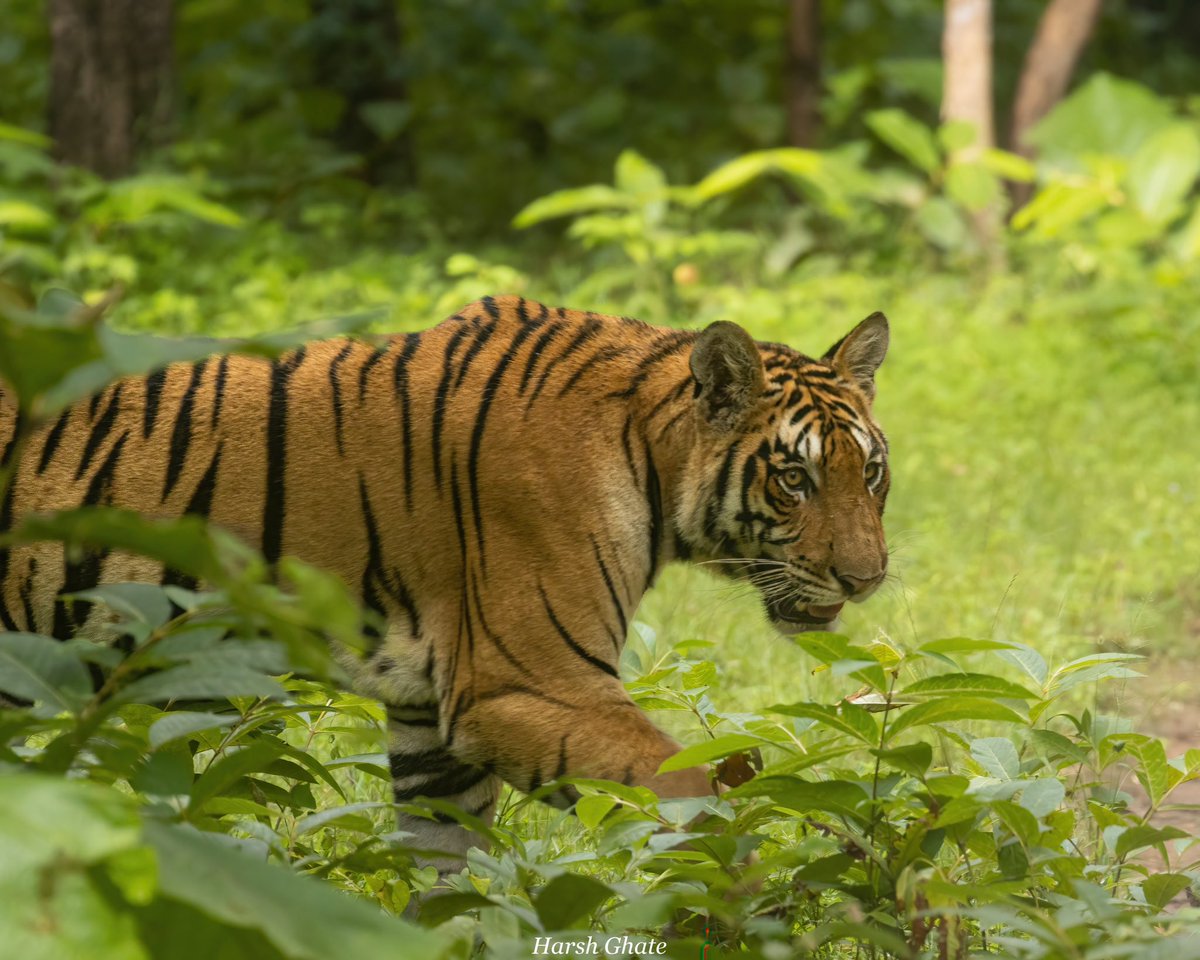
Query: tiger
column 501, row 489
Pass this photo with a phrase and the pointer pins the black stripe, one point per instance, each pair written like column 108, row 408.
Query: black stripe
column 410, row 764
column 489, row 395
column 536, row 353
column 522, row 310
column 154, row 388
column 199, row 505
column 85, row 573
column 276, row 488
column 201, row 500
column 456, row 503
column 6, row 508
column 100, row 486
column 219, row 391
column 716, row 505
column 481, row 338
column 375, row 572
column 335, row 386
column 99, row 432
column 605, row 353
column 520, row 690
column 627, row 447
column 52, row 440
column 590, row 326
column 181, row 435
column 439, row 402
column 365, row 370
column 497, row 641
column 26, row 594
column 571, row 641
column 678, row 391
column 654, row 503
column 449, row 784
column 611, row 587
column 489, row 304
column 561, row 769
column 663, row 347
column 400, row 380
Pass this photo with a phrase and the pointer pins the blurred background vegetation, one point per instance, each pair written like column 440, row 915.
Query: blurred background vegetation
column 1014, row 183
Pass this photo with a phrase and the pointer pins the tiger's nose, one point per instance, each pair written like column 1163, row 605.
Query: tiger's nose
column 855, row 586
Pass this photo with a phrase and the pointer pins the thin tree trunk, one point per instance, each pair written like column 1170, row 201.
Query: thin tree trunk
column 967, row 89
column 804, row 72
column 111, row 69
column 1062, row 34
column 967, row 64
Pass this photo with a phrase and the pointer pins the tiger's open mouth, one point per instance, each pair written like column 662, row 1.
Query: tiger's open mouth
column 792, row 617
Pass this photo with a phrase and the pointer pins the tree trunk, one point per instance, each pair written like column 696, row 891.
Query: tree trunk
column 111, row 68
column 1063, row 32
column 356, row 53
column 967, row 90
column 804, row 72
column 967, row 64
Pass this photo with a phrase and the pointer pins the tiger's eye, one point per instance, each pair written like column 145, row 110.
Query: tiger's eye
column 873, row 471
column 794, row 479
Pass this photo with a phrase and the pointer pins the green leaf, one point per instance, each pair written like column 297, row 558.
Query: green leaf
column 304, row 918
column 182, row 545
column 1104, row 115
column 911, row 758
column 955, row 135
column 1089, row 669
column 333, row 815
column 1042, row 797
column 1010, row 166
column 967, row 685
column 21, row 216
column 137, row 602
column 1159, row 889
column 227, row 770
column 213, row 679
column 998, row 756
column 708, row 751
column 839, row 797
column 962, row 645
column 741, row 170
column 30, row 138
column 948, row 711
column 1054, row 745
column 568, row 203
column 1028, row 660
column 973, row 186
column 593, row 808
column 386, row 118
column 182, row 723
column 845, row 718
column 40, row 669
column 942, row 225
column 1137, row 837
column 568, row 898
column 908, row 137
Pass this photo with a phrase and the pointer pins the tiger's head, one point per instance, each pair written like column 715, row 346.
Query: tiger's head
column 790, row 472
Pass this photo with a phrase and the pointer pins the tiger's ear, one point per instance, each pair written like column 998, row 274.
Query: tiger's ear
column 859, row 353
column 729, row 373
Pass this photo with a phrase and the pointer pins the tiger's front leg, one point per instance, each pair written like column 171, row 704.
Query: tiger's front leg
column 529, row 737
